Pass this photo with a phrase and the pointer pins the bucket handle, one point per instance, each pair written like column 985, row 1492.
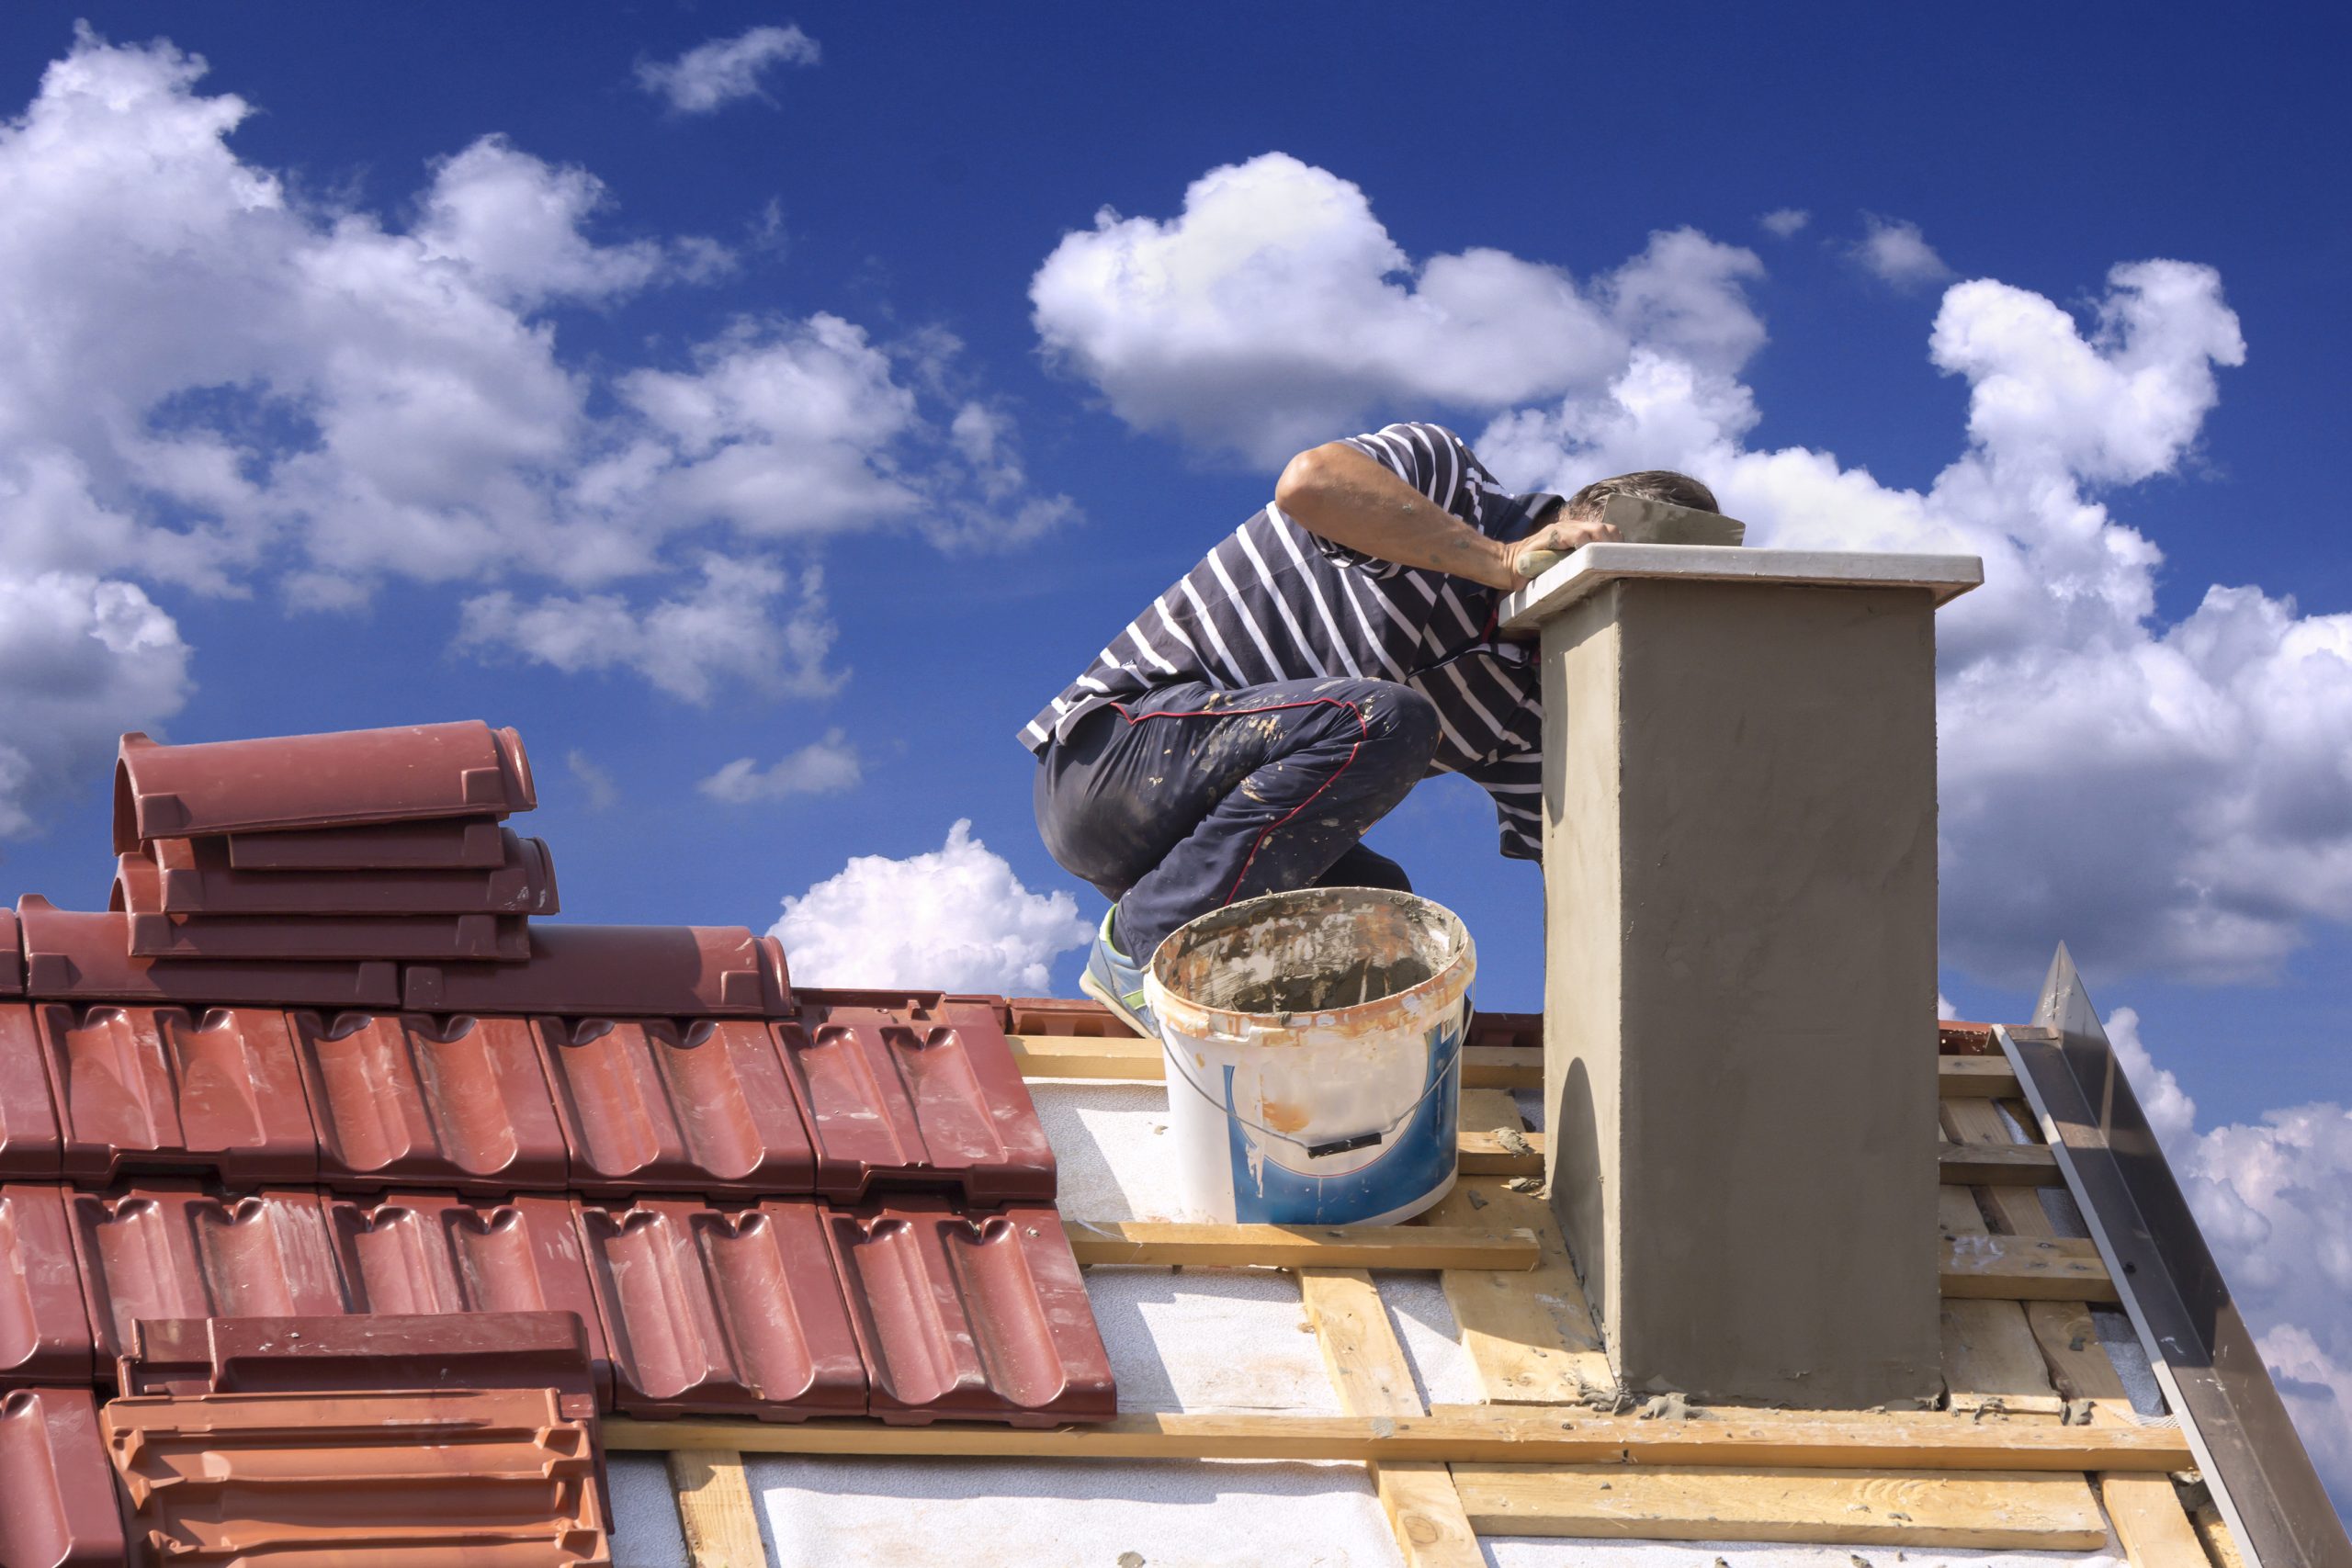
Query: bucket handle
column 1338, row 1145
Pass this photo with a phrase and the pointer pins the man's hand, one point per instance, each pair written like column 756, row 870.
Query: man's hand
column 1554, row 542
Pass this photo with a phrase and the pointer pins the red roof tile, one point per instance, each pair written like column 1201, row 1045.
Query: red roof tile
column 974, row 1316
column 431, row 1101
column 12, row 956
column 476, row 1478
column 723, row 1312
column 448, row 843
column 612, row 971
column 57, row 1496
column 28, row 1137
column 75, row 953
column 44, row 1327
column 193, row 877
column 370, row 1351
column 154, row 934
column 646, row 1104
column 172, row 1250
column 343, row 779
column 916, row 1089
column 434, row 1252
column 166, row 1088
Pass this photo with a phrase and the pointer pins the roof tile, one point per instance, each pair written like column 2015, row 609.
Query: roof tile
column 435, row 1252
column 612, row 971
column 712, row 1312
column 343, row 779
column 12, row 956
column 81, row 954
column 193, row 876
column 44, row 1327
column 166, row 1088
column 447, row 843
column 57, row 1496
column 138, row 888
column 977, row 1315
column 413, row 1099
column 646, row 1104
column 172, row 1250
column 29, row 1145
column 473, row 1479
column 914, row 1089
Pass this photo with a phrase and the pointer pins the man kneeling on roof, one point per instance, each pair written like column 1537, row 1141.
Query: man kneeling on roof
column 1242, row 733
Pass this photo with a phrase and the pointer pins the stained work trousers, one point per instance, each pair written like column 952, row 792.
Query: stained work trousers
column 1189, row 798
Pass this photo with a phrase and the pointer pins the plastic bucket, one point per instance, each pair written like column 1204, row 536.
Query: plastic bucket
column 1313, row 1045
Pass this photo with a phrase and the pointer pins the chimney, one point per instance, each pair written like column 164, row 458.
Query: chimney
column 1739, row 1049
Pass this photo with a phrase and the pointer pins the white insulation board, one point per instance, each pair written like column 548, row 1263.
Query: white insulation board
column 1199, row 1339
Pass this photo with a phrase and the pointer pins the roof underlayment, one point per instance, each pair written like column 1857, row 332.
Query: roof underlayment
column 1193, row 1339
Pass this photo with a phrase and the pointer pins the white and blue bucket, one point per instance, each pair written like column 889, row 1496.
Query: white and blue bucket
column 1313, row 1045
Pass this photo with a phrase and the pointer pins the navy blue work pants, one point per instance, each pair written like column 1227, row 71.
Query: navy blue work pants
column 1188, row 797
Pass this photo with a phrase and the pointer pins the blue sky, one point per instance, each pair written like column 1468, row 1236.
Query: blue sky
column 202, row 443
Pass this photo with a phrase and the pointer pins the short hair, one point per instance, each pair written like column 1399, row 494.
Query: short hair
column 1649, row 484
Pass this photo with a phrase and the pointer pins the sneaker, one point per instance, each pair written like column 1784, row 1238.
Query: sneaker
column 1114, row 980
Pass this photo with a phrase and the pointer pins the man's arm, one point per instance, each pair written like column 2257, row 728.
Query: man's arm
column 1337, row 492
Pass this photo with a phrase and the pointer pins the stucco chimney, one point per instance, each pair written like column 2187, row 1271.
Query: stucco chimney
column 1739, row 864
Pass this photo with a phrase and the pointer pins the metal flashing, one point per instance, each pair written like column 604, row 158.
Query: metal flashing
column 338, row 780
column 2205, row 1359
column 170, row 1249
column 971, row 1316
column 412, row 1253
column 611, row 971
column 44, row 1324
column 139, row 890
column 29, row 1142
column 914, row 1089
column 478, row 1478
column 164, row 1088
column 58, row 1507
column 649, row 1104
column 446, row 843
column 414, row 1100
column 193, row 876
column 87, row 955
column 723, row 1312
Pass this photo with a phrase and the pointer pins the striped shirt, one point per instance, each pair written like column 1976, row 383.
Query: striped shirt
column 1277, row 602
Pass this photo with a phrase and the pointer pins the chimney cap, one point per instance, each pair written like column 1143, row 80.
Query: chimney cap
column 1945, row 577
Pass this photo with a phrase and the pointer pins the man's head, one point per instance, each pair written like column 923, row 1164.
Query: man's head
column 1649, row 484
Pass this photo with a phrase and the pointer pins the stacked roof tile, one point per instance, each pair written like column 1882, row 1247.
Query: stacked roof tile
column 321, row 1113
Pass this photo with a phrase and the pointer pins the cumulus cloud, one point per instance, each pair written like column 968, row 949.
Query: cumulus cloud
column 711, row 75
column 2173, row 796
column 743, row 624
column 955, row 918
column 2274, row 1199
column 822, row 767
column 1275, row 311
column 1782, row 223
column 595, row 781
column 81, row 659
column 210, row 385
column 1893, row 251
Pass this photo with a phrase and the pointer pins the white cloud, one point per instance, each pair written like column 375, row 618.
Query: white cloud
column 1782, row 223
column 712, row 75
column 594, row 780
column 725, row 630
column 1893, row 251
column 2273, row 1199
column 209, row 383
column 1275, row 311
column 956, row 918
column 2173, row 796
column 81, row 659
column 822, row 767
